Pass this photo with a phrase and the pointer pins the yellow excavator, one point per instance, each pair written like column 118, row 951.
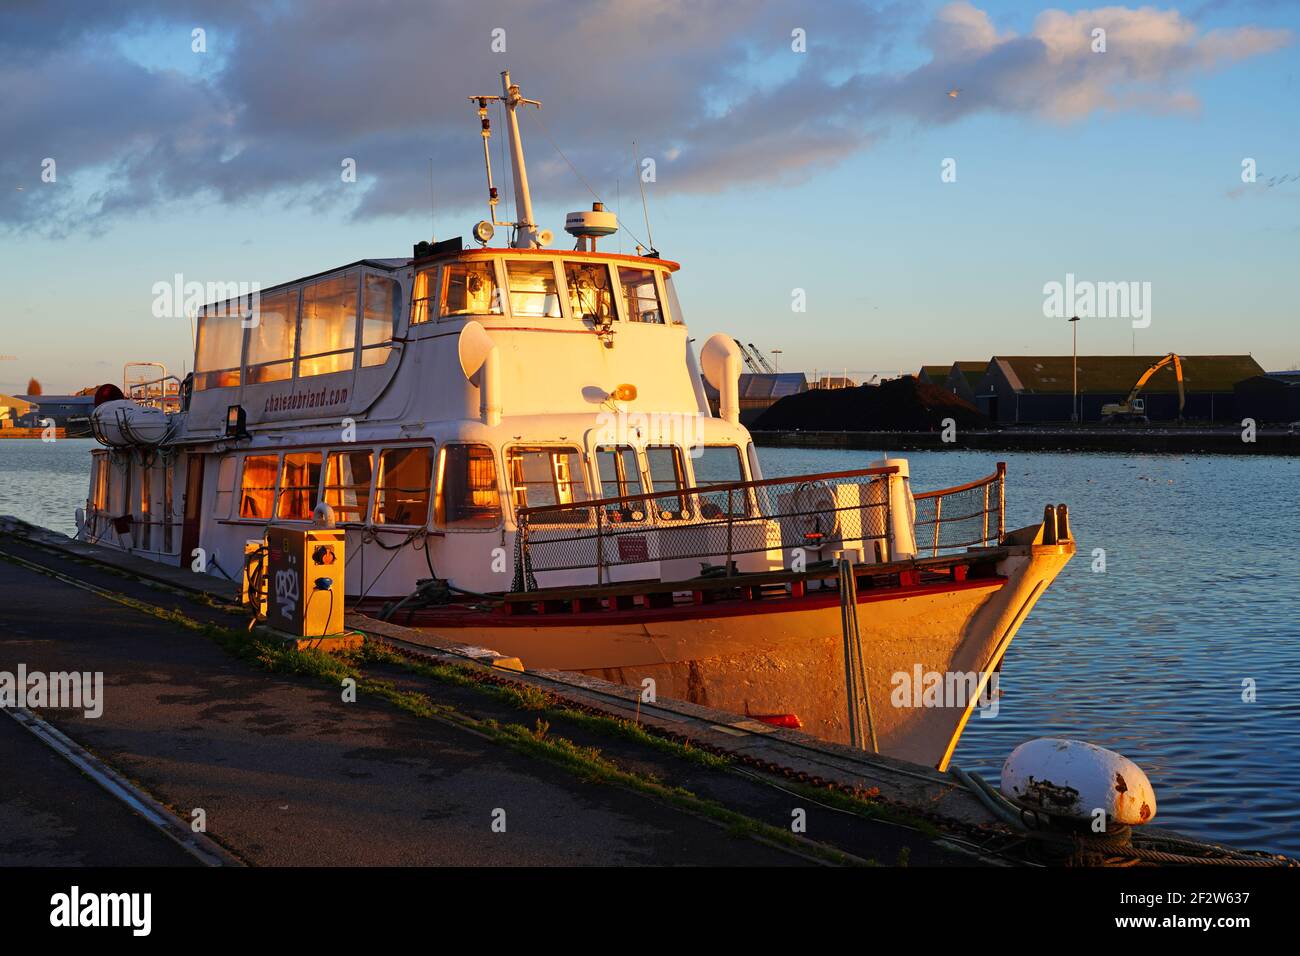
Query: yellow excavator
column 1134, row 409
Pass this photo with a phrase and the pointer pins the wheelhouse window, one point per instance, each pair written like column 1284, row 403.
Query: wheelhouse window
column 220, row 347
column 674, row 306
column 271, row 337
column 620, row 477
column 329, row 325
column 640, row 295
column 402, row 486
column 544, row 477
column 667, row 473
column 720, row 465
column 469, row 288
column 468, row 495
column 378, row 319
column 533, row 289
column 422, row 296
column 347, row 484
column 299, row 479
column 257, row 487
column 591, row 291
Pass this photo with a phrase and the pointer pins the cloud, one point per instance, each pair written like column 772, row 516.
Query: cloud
column 1061, row 71
column 709, row 88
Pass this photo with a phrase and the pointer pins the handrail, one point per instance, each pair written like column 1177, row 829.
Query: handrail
column 704, row 489
column 828, row 512
column 1000, row 473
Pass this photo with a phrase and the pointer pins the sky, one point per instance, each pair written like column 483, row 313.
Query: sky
column 916, row 174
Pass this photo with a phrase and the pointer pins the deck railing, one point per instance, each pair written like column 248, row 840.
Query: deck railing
column 966, row 516
column 713, row 527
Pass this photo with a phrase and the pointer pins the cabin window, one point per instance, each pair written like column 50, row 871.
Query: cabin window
column 533, row 289
column 470, row 288
column 468, row 495
column 169, row 509
column 347, row 484
column 99, row 485
column 620, row 476
column 329, row 325
column 720, row 465
column 271, row 339
column 640, row 295
column 299, row 479
column 591, row 295
column 257, row 487
column 220, row 347
column 146, row 493
column 542, row 477
column 402, row 488
column 667, row 474
column 225, row 486
column 378, row 319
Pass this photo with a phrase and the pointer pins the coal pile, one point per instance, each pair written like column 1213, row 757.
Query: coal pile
column 901, row 404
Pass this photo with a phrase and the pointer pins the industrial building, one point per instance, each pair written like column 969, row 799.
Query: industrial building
column 960, row 378
column 1028, row 389
column 67, row 411
column 759, row 391
column 1272, row 399
column 14, row 412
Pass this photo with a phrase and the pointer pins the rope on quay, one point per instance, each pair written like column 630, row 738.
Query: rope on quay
column 1118, row 849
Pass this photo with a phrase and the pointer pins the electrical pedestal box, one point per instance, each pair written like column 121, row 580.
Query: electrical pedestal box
column 304, row 581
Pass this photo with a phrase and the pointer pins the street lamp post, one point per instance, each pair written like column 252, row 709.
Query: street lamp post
column 1074, row 401
column 776, row 359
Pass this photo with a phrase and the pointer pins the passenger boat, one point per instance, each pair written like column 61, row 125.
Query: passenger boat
column 517, row 445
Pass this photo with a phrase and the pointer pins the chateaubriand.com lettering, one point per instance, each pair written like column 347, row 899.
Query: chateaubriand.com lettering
column 296, row 401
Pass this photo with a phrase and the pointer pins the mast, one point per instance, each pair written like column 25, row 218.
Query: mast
column 526, row 228
column 526, row 234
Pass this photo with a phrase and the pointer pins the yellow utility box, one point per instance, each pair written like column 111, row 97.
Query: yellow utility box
column 304, row 581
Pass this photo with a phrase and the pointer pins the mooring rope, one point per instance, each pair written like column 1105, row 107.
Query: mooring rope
column 1072, row 848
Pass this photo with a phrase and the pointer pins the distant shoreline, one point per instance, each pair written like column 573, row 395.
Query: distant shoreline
column 1148, row 439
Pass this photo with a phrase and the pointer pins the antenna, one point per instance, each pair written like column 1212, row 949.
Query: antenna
column 433, row 227
column 645, row 210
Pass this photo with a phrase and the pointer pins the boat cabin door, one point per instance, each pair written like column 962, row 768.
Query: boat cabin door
column 193, row 514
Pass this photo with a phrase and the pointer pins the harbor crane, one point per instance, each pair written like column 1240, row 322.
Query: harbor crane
column 1134, row 409
column 749, row 359
column 766, row 365
column 754, row 359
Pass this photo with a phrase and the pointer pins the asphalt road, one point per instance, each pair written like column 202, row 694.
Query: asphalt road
column 285, row 771
column 51, row 814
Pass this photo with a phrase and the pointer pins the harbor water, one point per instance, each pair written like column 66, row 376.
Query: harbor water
column 1179, row 653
